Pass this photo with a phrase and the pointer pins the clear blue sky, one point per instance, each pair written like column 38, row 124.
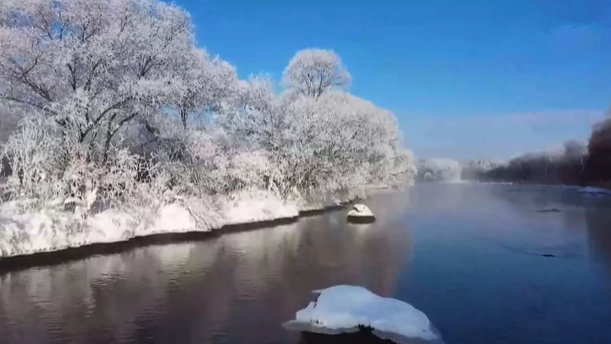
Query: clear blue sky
column 466, row 79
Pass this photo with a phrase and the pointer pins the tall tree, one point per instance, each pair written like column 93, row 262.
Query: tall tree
column 93, row 66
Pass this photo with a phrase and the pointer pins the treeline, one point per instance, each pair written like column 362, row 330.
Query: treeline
column 576, row 164
column 116, row 105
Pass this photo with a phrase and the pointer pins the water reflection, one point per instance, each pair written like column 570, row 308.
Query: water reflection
column 480, row 273
column 238, row 288
column 599, row 236
column 480, row 261
column 580, row 227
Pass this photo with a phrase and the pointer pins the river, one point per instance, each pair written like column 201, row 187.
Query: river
column 487, row 264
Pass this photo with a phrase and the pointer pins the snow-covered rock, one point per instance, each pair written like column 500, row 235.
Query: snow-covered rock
column 360, row 212
column 348, row 309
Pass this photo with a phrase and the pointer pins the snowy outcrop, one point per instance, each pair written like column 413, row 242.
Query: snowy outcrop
column 348, row 309
column 360, row 213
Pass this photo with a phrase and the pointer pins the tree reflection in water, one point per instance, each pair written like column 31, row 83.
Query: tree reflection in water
column 236, row 288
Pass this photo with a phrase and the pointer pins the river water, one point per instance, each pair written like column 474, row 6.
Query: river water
column 487, row 264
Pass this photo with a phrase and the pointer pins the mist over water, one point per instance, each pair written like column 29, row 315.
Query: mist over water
column 480, row 261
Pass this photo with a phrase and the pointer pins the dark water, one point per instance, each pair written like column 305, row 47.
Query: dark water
column 487, row 264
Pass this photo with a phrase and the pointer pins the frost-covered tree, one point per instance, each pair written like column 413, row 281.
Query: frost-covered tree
column 120, row 106
column 8, row 124
column 311, row 72
column 87, row 69
column 335, row 143
column 210, row 86
column 93, row 66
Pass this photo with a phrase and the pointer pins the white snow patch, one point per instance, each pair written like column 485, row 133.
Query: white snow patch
column 48, row 229
column 595, row 191
column 174, row 218
column 343, row 309
column 254, row 206
column 360, row 210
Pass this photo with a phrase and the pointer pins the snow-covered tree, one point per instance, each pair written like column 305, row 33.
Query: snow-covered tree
column 210, row 86
column 93, row 66
column 87, row 69
column 311, row 72
column 327, row 145
column 120, row 106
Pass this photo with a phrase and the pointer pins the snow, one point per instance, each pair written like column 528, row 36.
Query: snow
column 595, row 191
column 47, row 230
column 255, row 206
column 360, row 210
column 344, row 308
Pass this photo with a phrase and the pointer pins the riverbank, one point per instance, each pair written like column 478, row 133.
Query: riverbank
column 50, row 258
column 48, row 235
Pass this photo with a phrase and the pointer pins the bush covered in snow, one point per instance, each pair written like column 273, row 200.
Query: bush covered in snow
column 121, row 111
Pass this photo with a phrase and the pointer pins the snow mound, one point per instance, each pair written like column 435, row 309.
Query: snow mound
column 347, row 309
column 360, row 212
column 595, row 191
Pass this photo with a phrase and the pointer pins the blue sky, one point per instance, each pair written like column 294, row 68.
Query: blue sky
column 466, row 79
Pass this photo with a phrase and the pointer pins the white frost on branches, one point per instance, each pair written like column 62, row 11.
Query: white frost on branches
column 311, row 72
column 124, row 124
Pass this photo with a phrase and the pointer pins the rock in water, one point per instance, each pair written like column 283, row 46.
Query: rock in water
column 360, row 213
column 347, row 309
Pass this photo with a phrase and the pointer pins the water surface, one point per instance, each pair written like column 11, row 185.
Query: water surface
column 487, row 264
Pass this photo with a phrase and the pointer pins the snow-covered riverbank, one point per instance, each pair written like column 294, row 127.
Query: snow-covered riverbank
column 51, row 230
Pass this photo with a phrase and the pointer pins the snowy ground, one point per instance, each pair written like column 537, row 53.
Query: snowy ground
column 51, row 230
column 347, row 309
